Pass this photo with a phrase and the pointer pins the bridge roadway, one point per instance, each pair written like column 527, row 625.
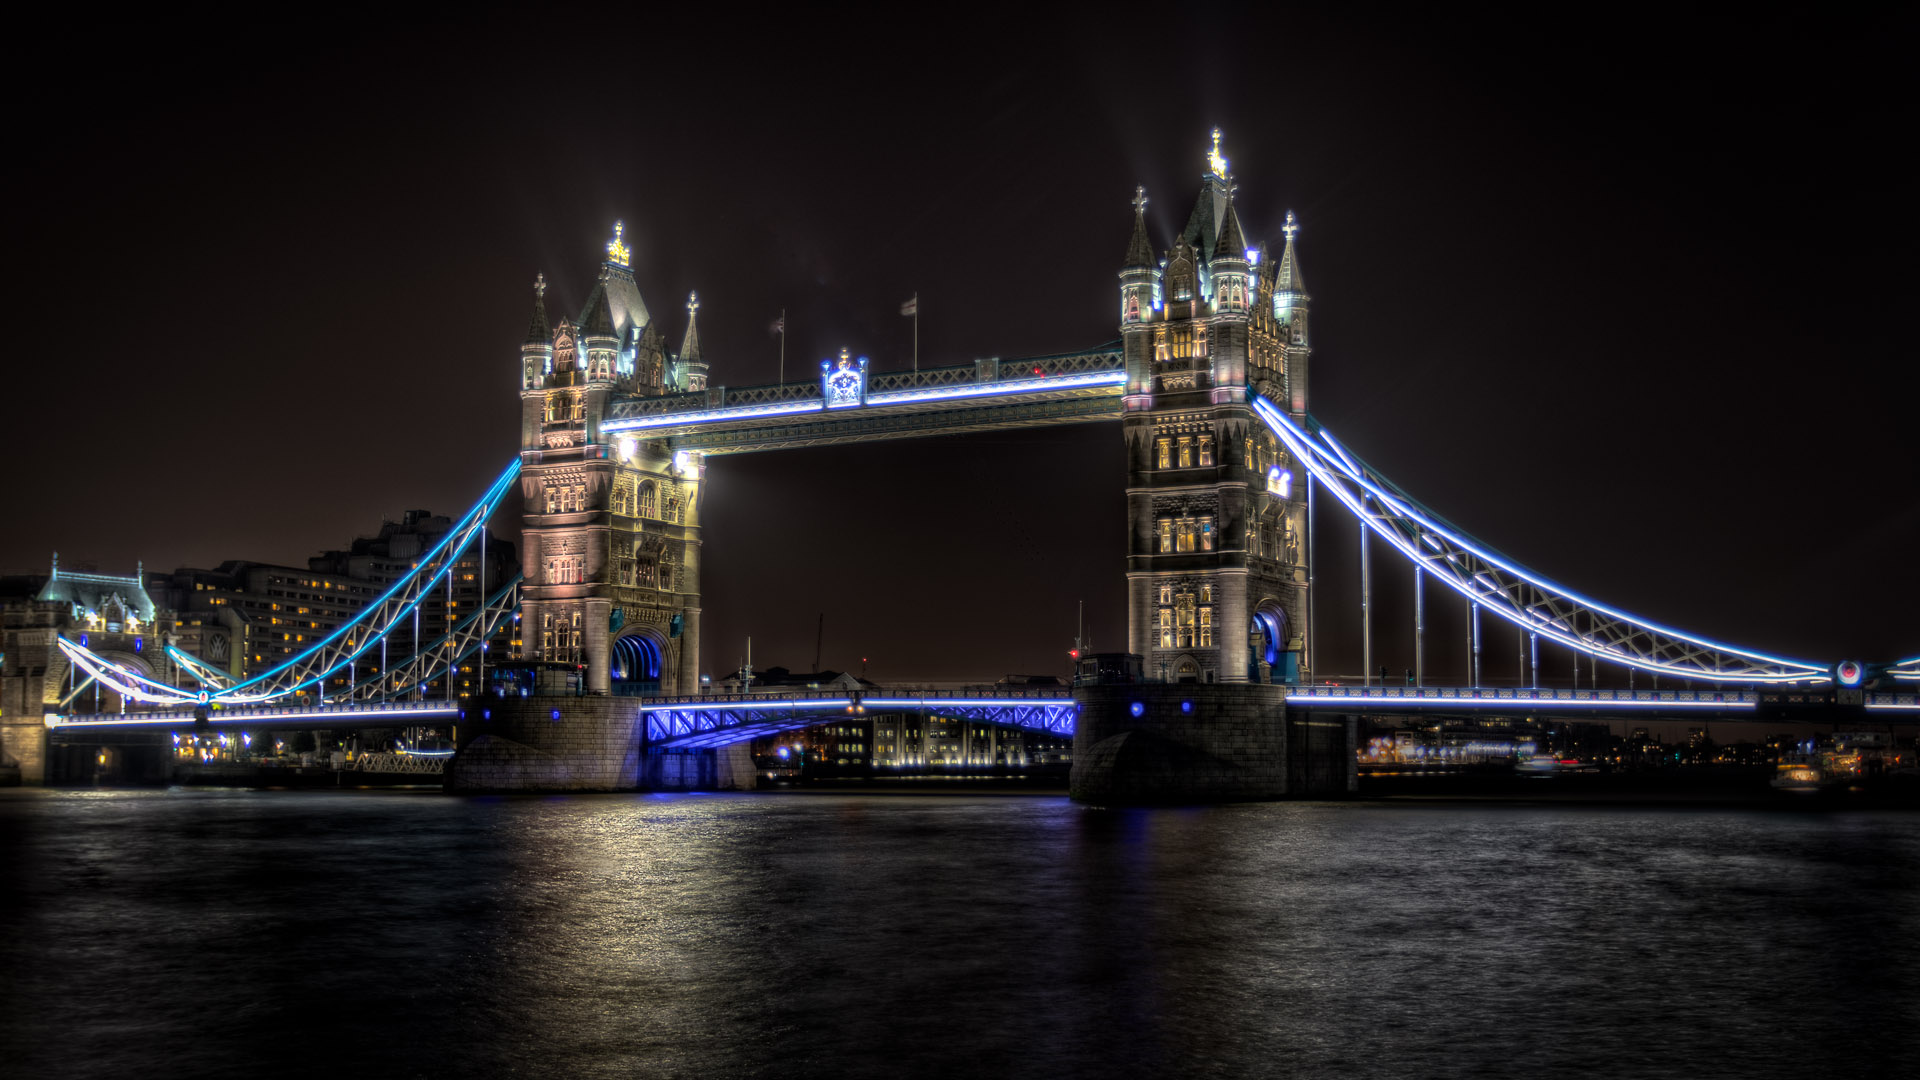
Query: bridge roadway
column 717, row 720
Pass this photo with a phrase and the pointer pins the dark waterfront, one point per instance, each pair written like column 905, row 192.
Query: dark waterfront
column 235, row 933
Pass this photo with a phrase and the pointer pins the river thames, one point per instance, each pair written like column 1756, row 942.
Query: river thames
column 232, row 933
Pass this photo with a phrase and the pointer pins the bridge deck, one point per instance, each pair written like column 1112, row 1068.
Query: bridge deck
column 368, row 714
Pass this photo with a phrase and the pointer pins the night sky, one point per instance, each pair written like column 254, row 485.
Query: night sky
column 1620, row 300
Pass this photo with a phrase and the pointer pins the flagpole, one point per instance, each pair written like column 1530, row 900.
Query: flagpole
column 916, row 331
column 783, row 346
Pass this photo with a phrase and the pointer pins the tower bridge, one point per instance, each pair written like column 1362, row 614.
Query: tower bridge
column 1226, row 473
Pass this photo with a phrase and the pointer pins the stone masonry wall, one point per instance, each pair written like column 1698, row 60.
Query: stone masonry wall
column 1204, row 743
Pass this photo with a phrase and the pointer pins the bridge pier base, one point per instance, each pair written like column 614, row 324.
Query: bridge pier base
column 723, row 768
column 1158, row 743
column 548, row 744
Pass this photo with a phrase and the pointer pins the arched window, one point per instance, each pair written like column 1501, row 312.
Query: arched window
column 647, row 497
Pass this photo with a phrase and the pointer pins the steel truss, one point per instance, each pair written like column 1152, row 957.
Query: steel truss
column 695, row 723
column 1507, row 589
column 336, row 652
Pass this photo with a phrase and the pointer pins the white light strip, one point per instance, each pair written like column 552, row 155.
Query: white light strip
column 112, row 720
column 881, row 400
column 1319, row 463
column 771, row 703
column 1515, row 704
column 1038, row 384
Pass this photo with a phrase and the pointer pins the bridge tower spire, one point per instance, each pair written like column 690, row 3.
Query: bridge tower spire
column 690, row 360
column 1216, row 575
column 536, row 352
column 1290, row 310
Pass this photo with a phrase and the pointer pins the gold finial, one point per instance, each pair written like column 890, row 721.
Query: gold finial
column 1290, row 227
column 1140, row 200
column 1216, row 164
column 540, row 286
column 844, row 357
column 617, row 252
column 693, row 303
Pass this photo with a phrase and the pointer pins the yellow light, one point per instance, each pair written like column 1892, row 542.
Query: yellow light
column 617, row 252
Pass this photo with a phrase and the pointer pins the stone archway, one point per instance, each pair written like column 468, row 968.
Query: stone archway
column 635, row 663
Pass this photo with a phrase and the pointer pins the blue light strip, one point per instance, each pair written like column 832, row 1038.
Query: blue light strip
column 891, row 397
column 1297, row 442
column 474, row 519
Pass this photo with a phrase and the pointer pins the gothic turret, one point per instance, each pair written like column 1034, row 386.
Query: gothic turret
column 1290, row 310
column 1229, row 265
column 694, row 368
column 1138, row 276
column 536, row 352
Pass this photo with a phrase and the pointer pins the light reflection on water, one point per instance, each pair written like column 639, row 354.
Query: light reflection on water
column 215, row 933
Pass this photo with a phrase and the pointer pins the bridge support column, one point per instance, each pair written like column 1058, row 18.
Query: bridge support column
column 1148, row 743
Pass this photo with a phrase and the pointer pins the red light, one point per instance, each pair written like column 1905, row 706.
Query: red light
column 1075, row 653
column 1036, row 371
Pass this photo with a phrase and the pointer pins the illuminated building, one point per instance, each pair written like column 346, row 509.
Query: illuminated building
column 1217, row 562
column 114, row 615
column 611, row 523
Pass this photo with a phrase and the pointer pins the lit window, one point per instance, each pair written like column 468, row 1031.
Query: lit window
column 1166, row 534
column 1206, row 534
column 1206, row 449
column 1206, row 626
column 1165, row 448
column 1186, row 452
column 1166, row 628
column 1166, row 594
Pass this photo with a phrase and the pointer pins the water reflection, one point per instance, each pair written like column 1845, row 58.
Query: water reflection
column 234, row 933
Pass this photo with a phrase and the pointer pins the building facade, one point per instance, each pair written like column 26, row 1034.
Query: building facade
column 1217, row 569
column 610, row 526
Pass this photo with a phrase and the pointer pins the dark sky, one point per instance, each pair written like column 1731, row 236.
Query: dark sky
column 1620, row 299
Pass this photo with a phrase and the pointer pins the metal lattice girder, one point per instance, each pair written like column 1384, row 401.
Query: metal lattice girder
column 1509, row 590
column 332, row 653
column 468, row 636
column 691, row 723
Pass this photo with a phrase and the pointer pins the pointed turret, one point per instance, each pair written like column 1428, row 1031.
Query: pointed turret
column 1216, row 189
column 1139, row 251
column 1228, row 267
column 536, row 352
column 1287, row 272
column 1290, row 309
column 1232, row 242
column 538, row 332
column 690, row 361
column 1139, row 277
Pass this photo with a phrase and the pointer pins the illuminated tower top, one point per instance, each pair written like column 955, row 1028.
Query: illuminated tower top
column 618, row 253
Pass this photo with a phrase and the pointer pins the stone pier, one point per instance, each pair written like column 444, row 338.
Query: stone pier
column 590, row 743
column 1138, row 744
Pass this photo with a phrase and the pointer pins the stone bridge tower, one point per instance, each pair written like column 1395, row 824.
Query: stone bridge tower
column 611, row 551
column 1217, row 553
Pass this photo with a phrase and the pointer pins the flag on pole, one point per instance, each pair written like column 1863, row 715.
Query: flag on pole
column 911, row 307
column 779, row 325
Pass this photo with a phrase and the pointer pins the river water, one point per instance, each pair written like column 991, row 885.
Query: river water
column 210, row 933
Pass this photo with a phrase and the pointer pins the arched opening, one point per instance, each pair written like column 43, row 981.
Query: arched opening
column 635, row 662
column 1269, row 660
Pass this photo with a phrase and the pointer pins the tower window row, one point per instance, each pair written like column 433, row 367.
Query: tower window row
column 1184, row 451
column 566, row 498
column 565, row 570
column 1186, row 534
